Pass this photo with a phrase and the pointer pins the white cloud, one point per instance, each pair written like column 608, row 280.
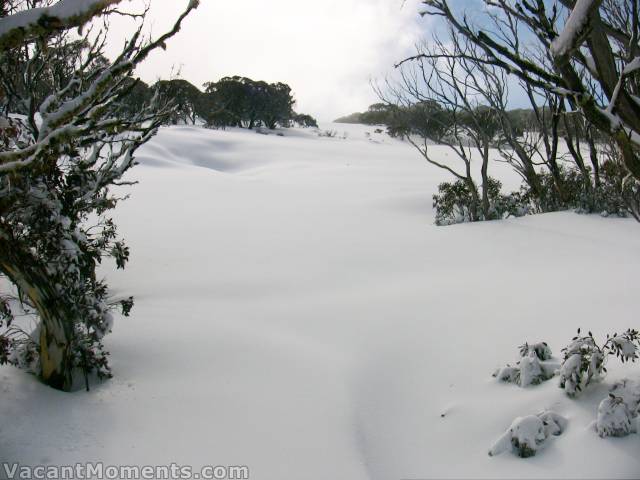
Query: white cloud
column 327, row 50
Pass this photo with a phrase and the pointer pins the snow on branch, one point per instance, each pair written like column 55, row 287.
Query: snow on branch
column 576, row 24
column 73, row 118
column 66, row 14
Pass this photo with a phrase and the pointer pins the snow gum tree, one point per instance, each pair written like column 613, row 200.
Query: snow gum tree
column 592, row 50
column 452, row 92
column 65, row 141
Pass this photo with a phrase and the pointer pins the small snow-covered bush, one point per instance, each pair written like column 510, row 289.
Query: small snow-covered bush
column 332, row 134
column 533, row 371
column 617, row 414
column 584, row 360
column 508, row 374
column 535, row 366
column 527, row 434
column 459, row 202
column 615, row 419
column 327, row 133
column 453, row 203
column 617, row 194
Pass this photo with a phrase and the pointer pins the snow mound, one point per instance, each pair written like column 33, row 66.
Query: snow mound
column 195, row 146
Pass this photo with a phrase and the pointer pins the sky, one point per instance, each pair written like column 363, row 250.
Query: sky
column 328, row 51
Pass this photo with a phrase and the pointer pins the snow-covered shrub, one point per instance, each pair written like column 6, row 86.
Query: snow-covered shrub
column 617, row 414
column 508, row 374
column 615, row 418
column 615, row 194
column 528, row 371
column 459, row 202
column 327, row 133
column 541, row 350
column 584, row 360
column 618, row 193
column 527, row 434
column 534, row 371
column 534, row 367
column 305, row 121
column 454, row 203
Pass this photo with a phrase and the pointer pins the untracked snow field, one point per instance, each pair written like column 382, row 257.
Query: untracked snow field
column 298, row 312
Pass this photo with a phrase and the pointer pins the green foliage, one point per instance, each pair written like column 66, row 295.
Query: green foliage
column 429, row 120
column 618, row 194
column 138, row 95
column 242, row 102
column 424, row 118
column 305, row 121
column 453, row 203
column 615, row 193
column 188, row 101
column 230, row 102
column 456, row 203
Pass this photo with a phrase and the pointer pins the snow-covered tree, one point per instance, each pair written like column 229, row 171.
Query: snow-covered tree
column 64, row 142
column 450, row 92
column 190, row 103
column 243, row 102
column 593, row 53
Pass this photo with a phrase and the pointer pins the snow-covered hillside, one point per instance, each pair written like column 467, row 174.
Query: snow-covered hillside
column 299, row 313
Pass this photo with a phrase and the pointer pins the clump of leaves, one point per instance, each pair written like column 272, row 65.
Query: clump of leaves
column 541, row 350
column 584, row 360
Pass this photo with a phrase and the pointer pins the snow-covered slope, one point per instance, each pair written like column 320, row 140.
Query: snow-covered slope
column 297, row 312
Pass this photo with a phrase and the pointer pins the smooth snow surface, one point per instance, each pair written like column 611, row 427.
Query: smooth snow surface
column 298, row 312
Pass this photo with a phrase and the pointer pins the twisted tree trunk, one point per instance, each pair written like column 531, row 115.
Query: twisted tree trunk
column 56, row 325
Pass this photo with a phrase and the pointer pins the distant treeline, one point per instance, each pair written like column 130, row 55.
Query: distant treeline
column 229, row 102
column 430, row 119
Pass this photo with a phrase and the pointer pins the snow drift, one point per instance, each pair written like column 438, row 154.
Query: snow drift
column 299, row 313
